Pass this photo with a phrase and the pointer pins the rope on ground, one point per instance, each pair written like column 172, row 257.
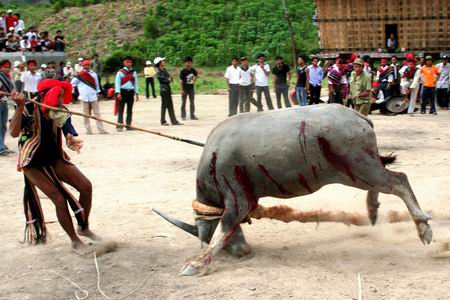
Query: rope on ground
column 116, row 124
column 79, row 289
column 127, row 295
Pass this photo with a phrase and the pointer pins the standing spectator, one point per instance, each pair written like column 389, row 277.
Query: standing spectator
column 246, row 87
column 410, row 85
column 391, row 44
column 149, row 72
column 360, row 88
column 10, row 20
column 302, row 79
column 188, row 76
column 232, row 74
column 77, row 66
column 165, row 90
column 88, row 87
column 41, row 71
column 261, row 73
column 97, row 67
column 20, row 25
column 281, row 78
column 442, row 85
column 429, row 74
column 385, row 77
column 25, row 44
column 68, row 71
column 30, row 79
column 60, row 43
column 50, row 71
column 17, row 73
column 395, row 84
column 61, row 70
column 6, row 86
column 314, row 85
column 3, row 21
column 126, row 89
column 337, row 82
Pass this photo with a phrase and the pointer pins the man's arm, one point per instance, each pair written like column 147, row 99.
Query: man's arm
column 289, row 76
column 136, row 83
column 181, row 83
column 97, row 84
column 117, row 83
column 15, row 127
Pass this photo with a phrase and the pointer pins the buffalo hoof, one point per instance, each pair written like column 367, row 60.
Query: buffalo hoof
column 425, row 232
column 238, row 249
column 194, row 268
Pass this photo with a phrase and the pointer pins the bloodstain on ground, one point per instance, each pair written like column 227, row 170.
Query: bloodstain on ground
column 279, row 185
column 234, row 194
column 304, row 183
column 241, row 176
column 339, row 162
column 213, row 173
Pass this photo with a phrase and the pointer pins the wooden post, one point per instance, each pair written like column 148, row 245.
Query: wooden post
column 291, row 32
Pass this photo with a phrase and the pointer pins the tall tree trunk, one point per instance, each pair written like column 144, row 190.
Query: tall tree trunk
column 291, row 33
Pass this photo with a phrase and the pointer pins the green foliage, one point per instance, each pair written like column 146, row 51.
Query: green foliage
column 214, row 31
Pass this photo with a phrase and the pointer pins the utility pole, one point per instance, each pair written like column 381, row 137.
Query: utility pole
column 291, row 33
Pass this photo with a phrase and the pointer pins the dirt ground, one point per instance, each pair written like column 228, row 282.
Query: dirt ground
column 133, row 172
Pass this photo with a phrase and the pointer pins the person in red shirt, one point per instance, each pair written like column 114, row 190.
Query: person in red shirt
column 10, row 20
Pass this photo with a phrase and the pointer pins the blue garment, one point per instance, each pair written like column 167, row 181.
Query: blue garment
column 127, row 86
column 315, row 75
column 302, row 97
column 3, row 122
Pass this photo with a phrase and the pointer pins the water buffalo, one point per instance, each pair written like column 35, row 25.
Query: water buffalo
column 284, row 154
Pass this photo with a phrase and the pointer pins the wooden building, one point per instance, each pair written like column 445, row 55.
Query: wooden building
column 365, row 25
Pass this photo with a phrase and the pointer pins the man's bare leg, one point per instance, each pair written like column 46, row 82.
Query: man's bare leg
column 42, row 182
column 71, row 175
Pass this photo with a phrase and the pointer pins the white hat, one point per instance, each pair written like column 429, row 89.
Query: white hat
column 68, row 64
column 148, row 63
column 16, row 63
column 9, row 11
column 158, row 60
column 80, row 59
column 11, row 28
column 43, row 66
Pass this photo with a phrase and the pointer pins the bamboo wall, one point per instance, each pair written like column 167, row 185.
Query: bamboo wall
column 351, row 25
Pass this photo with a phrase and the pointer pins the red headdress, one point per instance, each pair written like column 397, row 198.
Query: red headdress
column 86, row 62
column 352, row 58
column 5, row 64
column 52, row 90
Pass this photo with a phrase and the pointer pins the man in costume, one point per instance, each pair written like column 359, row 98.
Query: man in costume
column 126, row 89
column 385, row 75
column 6, row 86
column 46, row 166
column 88, row 86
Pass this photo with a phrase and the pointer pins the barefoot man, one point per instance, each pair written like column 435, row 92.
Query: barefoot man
column 46, row 166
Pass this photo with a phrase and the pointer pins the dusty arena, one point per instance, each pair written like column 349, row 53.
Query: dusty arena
column 133, row 172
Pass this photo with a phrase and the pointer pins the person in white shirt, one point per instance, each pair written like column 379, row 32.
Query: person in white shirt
column 77, row 66
column 88, row 88
column 410, row 84
column 31, row 32
column 442, row 85
column 30, row 79
column 25, row 44
column 261, row 72
column 68, row 71
column 3, row 21
column 246, row 87
column 233, row 74
column 20, row 24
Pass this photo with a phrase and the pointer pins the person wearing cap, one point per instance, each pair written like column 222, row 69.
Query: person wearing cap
column 78, row 66
column 430, row 74
column 376, row 96
column 68, row 71
column 232, row 75
column 261, row 72
column 360, row 88
column 165, row 90
column 6, row 86
column 88, row 88
column 18, row 69
column 41, row 70
column 410, row 84
column 442, row 85
column 126, row 90
column 188, row 76
column 281, row 78
column 30, row 79
column 149, row 73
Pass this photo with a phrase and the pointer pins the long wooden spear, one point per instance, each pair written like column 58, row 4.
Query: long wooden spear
column 114, row 123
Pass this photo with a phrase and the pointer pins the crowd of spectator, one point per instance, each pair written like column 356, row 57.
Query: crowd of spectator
column 15, row 37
